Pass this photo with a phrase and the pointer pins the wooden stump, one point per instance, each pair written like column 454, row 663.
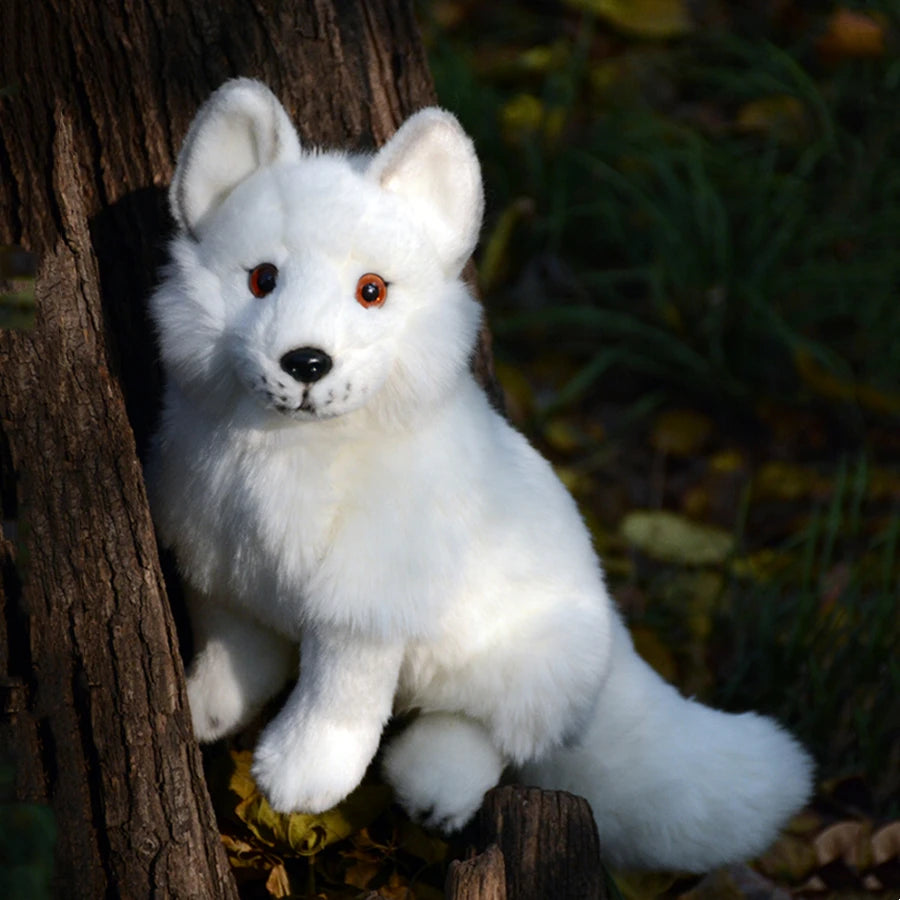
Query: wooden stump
column 481, row 878
column 548, row 842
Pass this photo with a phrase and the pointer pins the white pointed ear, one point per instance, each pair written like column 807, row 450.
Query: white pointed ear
column 242, row 127
column 431, row 163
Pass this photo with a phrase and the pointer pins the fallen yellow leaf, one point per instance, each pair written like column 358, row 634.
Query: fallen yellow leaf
column 563, row 435
column 781, row 116
column 778, row 480
column 695, row 501
column 303, row 834
column 634, row 885
column 643, row 18
column 789, row 859
column 827, row 384
column 681, row 432
column 763, row 566
column 727, row 462
column 668, row 537
column 886, row 844
column 278, row 884
column 852, row 34
column 522, row 117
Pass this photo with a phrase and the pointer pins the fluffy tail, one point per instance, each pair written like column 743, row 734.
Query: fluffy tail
column 675, row 784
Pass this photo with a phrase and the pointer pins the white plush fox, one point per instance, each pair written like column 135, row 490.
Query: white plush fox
column 332, row 478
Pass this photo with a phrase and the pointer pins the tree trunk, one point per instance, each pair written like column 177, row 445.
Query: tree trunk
column 94, row 101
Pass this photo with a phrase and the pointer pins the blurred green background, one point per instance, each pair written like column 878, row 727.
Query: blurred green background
column 690, row 269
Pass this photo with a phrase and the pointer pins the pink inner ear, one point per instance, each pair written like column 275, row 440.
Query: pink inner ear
column 240, row 128
column 431, row 162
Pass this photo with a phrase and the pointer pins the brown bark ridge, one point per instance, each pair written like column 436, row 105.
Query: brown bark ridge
column 94, row 101
column 483, row 877
column 548, row 840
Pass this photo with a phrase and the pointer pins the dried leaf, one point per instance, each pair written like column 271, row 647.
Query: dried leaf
column 790, row 859
column 695, row 501
column 727, row 462
column 851, row 34
column 278, row 884
column 885, row 403
column 781, row 116
column 643, row 885
column 735, row 883
column 309, row 834
column 240, row 781
column 884, row 484
column 886, row 844
column 302, row 834
column 545, row 57
column 764, row 566
column 668, row 537
column 250, row 863
column 362, row 872
column 522, row 117
column 242, row 855
column 576, row 482
column 642, row 18
column 845, row 841
column 563, row 435
column 787, row 481
column 828, row 385
column 448, row 14
column 397, row 888
column 681, row 432
column 422, row 844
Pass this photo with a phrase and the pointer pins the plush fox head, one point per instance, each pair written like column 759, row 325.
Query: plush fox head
column 307, row 285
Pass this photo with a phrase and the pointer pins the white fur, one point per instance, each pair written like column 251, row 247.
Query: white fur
column 441, row 766
column 386, row 520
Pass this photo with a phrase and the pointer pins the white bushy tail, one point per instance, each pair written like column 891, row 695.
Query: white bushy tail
column 675, row 784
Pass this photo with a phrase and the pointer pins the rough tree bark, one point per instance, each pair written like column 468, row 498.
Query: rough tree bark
column 482, row 877
column 94, row 100
column 547, row 841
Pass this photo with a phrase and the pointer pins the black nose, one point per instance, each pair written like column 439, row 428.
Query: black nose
column 306, row 364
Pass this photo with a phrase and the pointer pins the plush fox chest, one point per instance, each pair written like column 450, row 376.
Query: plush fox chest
column 335, row 527
column 249, row 523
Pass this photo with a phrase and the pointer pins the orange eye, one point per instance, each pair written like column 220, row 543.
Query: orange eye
column 371, row 290
column 263, row 279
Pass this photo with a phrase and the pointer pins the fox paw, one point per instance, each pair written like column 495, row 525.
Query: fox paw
column 440, row 769
column 310, row 774
column 216, row 703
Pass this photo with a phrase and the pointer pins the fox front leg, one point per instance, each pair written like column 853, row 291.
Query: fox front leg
column 238, row 665
column 318, row 748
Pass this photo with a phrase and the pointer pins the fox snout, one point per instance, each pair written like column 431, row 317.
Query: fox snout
column 306, row 364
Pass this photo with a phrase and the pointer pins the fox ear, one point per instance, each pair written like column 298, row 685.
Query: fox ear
column 431, row 163
column 242, row 127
